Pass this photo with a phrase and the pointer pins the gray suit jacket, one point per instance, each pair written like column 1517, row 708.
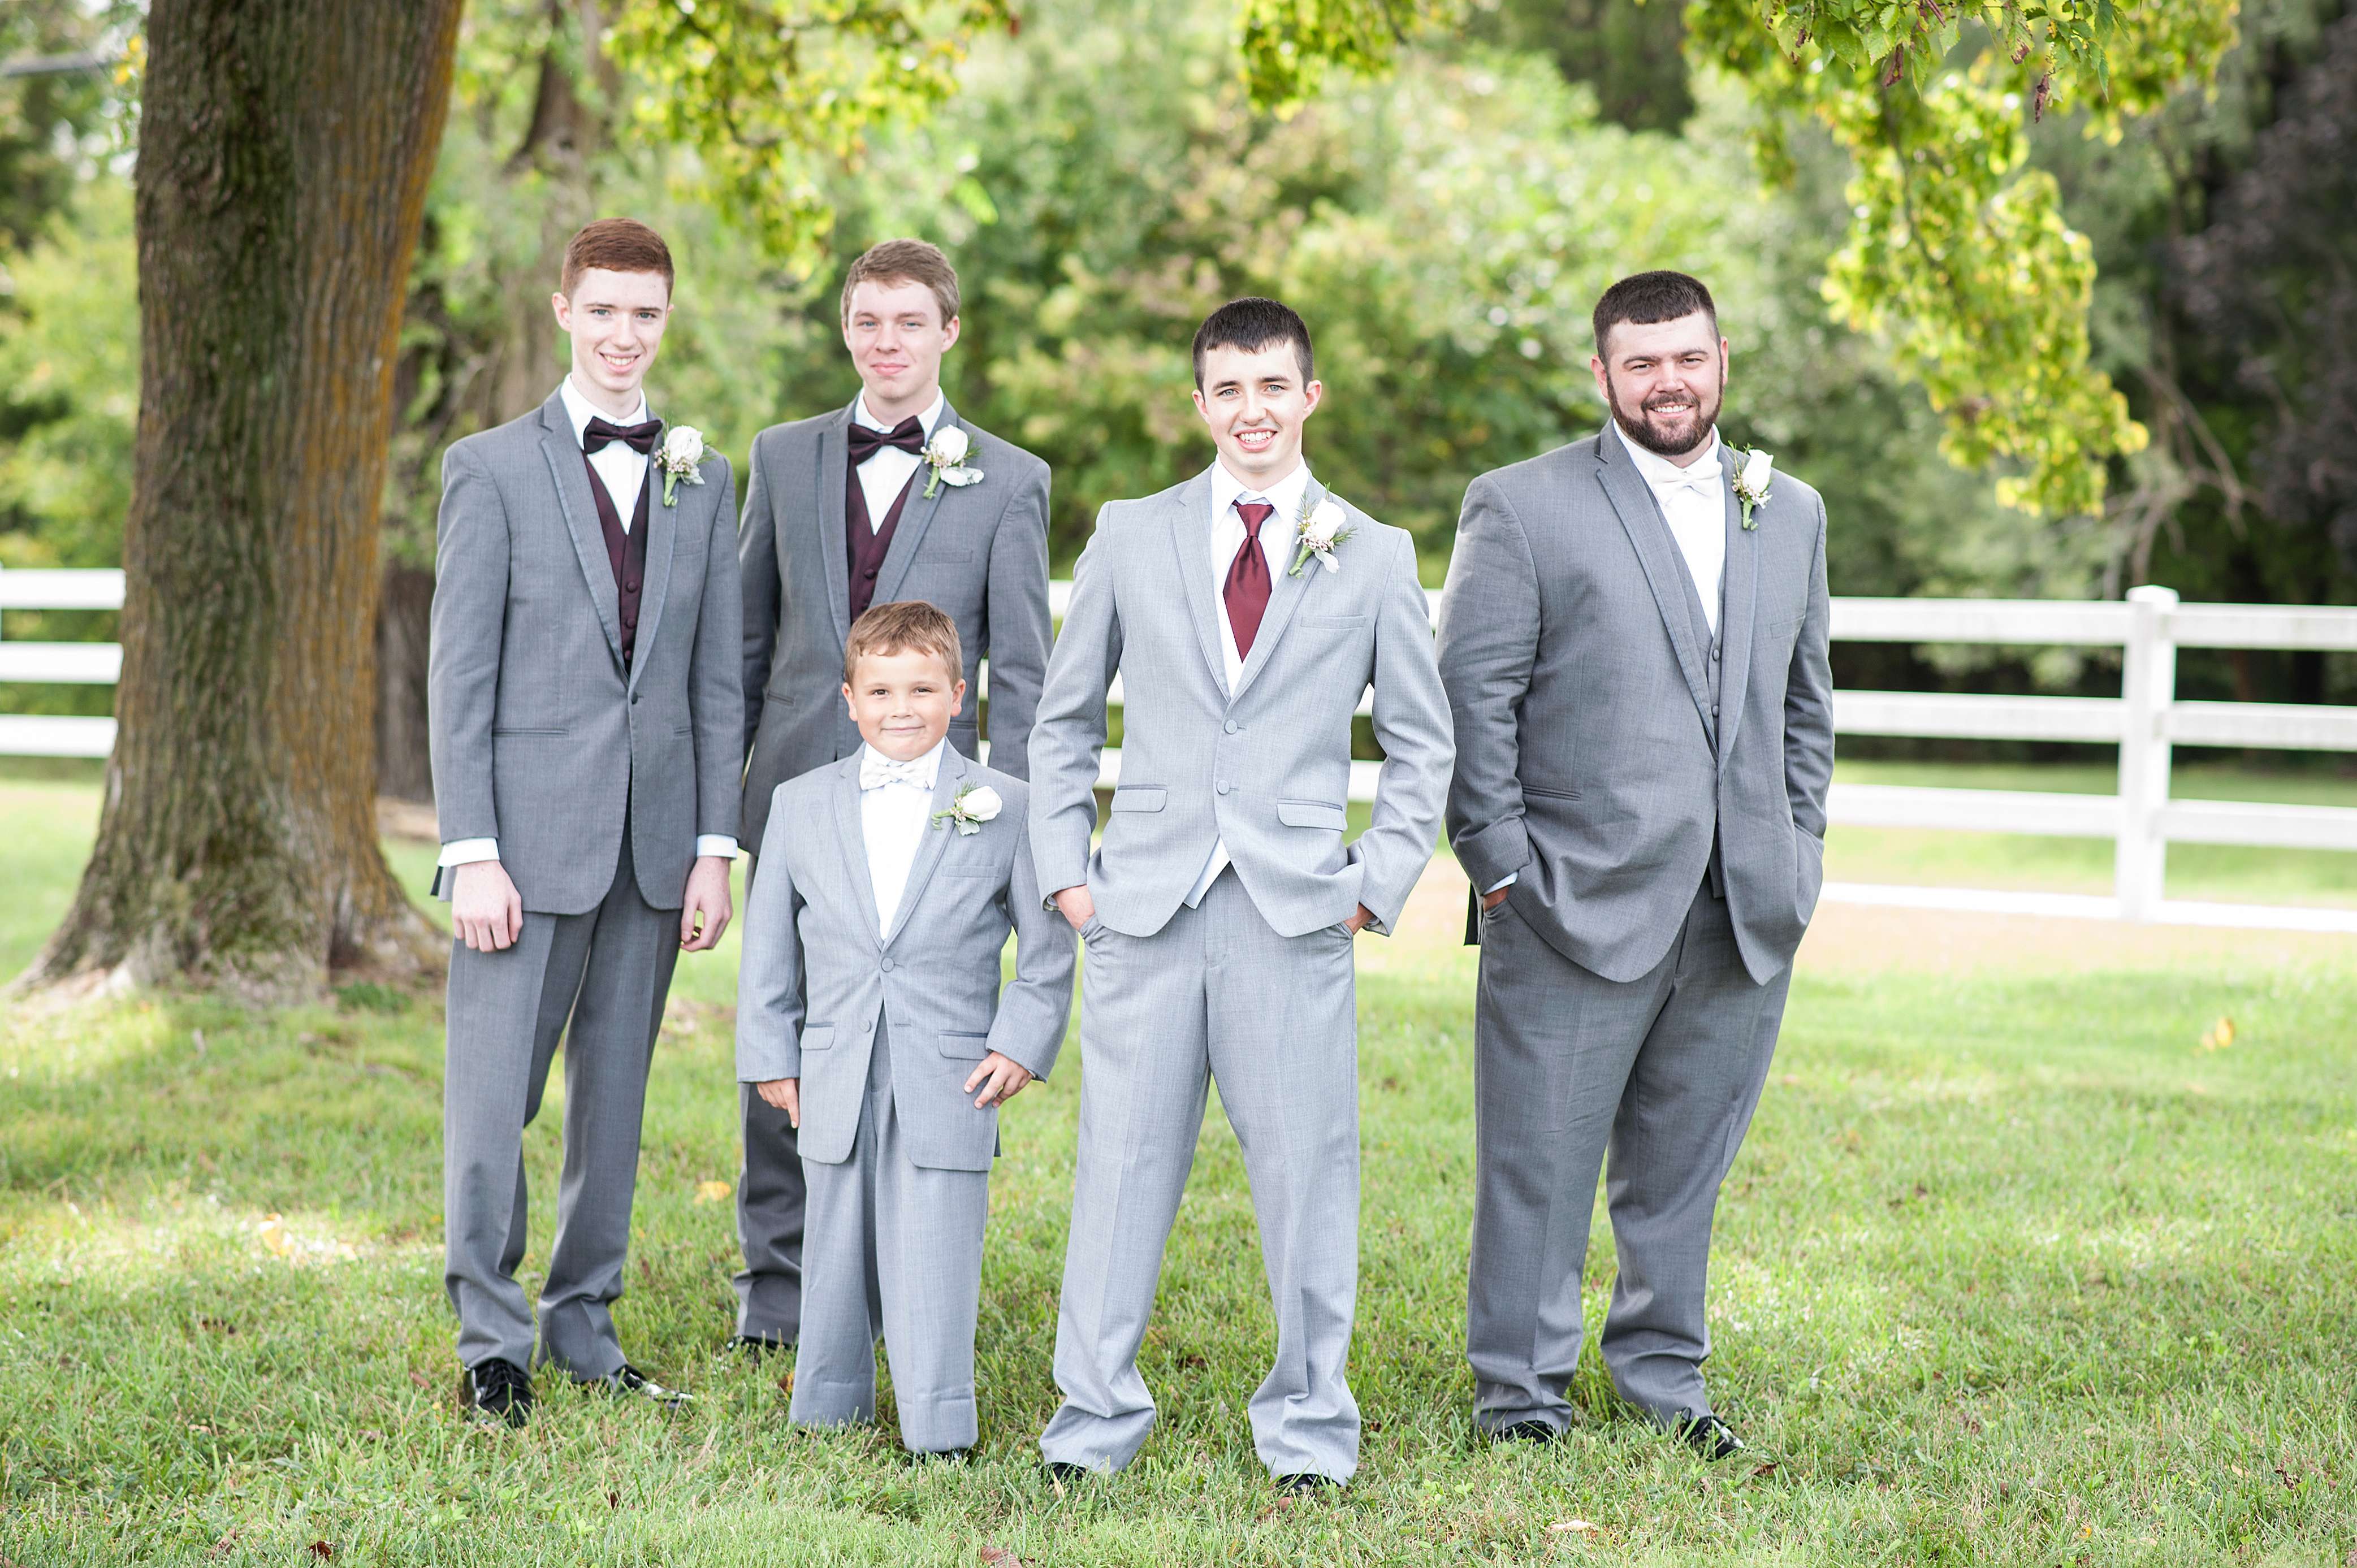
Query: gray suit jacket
column 538, row 736
column 1266, row 767
column 1596, row 749
column 979, row 553
column 932, row 978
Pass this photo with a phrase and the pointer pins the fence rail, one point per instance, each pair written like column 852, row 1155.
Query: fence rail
column 2145, row 722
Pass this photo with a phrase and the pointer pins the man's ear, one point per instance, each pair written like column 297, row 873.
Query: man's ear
column 949, row 333
column 564, row 309
column 1311, row 396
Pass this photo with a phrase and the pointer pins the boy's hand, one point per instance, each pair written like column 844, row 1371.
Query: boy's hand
column 1076, row 906
column 485, row 908
column 1005, row 1080
column 786, row 1094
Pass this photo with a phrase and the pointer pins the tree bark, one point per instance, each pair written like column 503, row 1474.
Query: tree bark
column 285, row 147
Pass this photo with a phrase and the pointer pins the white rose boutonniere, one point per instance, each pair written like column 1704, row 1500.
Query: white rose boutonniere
column 1323, row 529
column 976, row 804
column 1751, row 482
column 945, row 453
column 679, row 457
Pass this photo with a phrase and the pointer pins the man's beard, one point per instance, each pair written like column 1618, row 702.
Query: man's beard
column 1648, row 434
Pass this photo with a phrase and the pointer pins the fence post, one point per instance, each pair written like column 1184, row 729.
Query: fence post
column 2148, row 686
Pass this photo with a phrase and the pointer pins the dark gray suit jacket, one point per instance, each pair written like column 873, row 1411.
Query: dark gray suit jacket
column 1597, row 751
column 538, row 736
column 979, row 553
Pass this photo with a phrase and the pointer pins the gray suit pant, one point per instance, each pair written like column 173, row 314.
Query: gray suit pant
column 1663, row 1072
column 771, row 1195
column 894, row 1247
column 1215, row 995
column 605, row 974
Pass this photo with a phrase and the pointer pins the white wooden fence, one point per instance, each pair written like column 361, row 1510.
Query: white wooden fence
column 2145, row 722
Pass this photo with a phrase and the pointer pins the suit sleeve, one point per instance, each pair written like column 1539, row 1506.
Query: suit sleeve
column 468, row 629
column 1069, row 731
column 713, row 693
column 757, row 571
column 1036, row 1006
column 769, row 975
column 1411, row 721
column 1488, row 645
column 1015, row 625
column 1809, row 702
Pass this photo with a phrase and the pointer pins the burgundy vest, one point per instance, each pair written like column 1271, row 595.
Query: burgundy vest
column 866, row 545
column 625, row 553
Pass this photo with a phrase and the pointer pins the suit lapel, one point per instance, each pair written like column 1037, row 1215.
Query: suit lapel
column 1191, row 534
column 1649, row 533
column 570, row 474
column 663, row 533
column 936, row 840
column 916, row 517
column 1285, row 594
column 833, row 473
column 1735, row 612
column 851, row 838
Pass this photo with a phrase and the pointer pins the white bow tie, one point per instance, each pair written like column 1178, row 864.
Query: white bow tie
column 875, row 772
column 1703, row 476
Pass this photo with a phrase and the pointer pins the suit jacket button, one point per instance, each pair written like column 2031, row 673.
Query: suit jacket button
column 1224, row 786
column 887, row 966
column 869, row 1027
column 1232, row 726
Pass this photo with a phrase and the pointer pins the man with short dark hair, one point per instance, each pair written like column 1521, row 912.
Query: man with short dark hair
column 1634, row 641
column 892, row 497
column 1244, row 612
column 585, row 733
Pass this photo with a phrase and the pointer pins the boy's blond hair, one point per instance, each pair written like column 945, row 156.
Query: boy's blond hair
column 902, row 626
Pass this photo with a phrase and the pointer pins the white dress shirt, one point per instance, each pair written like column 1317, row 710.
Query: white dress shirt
column 1694, row 501
column 892, row 819
column 884, row 475
column 1227, row 538
column 622, row 470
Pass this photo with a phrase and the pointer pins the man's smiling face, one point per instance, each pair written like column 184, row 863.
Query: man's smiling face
column 1256, row 401
column 1665, row 380
column 616, row 321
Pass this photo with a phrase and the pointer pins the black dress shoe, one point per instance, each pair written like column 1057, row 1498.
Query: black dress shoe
column 941, row 1457
column 1064, row 1472
column 631, row 1383
column 1303, row 1481
column 1706, row 1436
column 756, row 1347
column 1525, row 1432
column 495, row 1393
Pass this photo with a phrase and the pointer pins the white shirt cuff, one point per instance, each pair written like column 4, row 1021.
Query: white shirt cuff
column 1507, row 881
column 720, row 844
column 466, row 851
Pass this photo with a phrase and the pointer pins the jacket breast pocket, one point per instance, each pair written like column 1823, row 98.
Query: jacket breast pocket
column 1312, row 814
column 1333, row 623
column 1139, row 798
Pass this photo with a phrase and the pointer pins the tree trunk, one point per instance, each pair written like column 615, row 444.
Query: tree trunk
column 285, row 150
column 404, row 623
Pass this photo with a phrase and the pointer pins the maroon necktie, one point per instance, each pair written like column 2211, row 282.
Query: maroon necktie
column 1247, row 586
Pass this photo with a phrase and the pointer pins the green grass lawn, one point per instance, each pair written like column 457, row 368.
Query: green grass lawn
column 2011, row 1271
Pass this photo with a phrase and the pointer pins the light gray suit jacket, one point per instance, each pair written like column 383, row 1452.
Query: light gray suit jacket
column 1596, row 749
column 537, row 734
column 932, row 978
column 1266, row 767
column 979, row 553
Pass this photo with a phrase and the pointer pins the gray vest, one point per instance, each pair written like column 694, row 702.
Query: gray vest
column 1707, row 641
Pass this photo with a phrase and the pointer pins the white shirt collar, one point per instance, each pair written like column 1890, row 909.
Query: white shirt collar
column 928, row 766
column 1284, row 495
column 931, row 417
column 583, row 410
column 1658, row 471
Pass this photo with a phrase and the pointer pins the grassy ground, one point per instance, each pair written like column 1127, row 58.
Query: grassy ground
column 2012, row 1270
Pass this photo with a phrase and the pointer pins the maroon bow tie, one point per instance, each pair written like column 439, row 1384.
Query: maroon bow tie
column 908, row 436
column 639, row 439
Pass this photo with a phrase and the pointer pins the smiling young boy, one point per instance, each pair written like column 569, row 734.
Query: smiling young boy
column 869, row 1012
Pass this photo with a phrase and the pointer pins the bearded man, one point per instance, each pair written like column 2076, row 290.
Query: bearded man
column 1634, row 640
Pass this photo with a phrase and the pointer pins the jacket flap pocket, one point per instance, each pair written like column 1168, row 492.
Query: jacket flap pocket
column 1139, row 798
column 1312, row 814
column 965, row 1047
column 818, row 1037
